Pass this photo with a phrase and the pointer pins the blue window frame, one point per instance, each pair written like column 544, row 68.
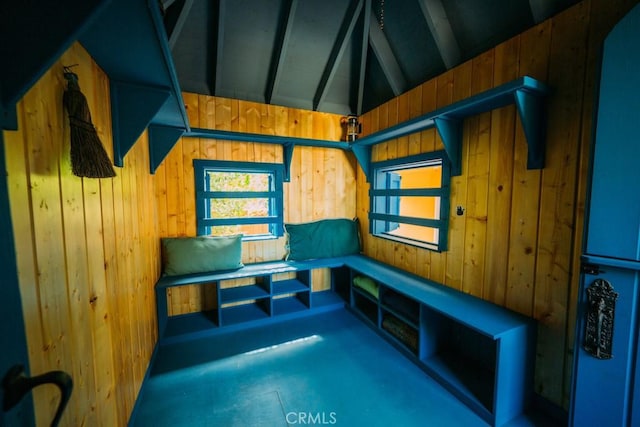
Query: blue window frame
column 409, row 200
column 239, row 198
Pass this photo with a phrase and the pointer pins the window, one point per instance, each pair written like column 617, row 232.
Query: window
column 410, row 200
column 239, row 198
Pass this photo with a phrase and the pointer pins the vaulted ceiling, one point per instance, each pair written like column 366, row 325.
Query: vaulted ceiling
column 339, row 56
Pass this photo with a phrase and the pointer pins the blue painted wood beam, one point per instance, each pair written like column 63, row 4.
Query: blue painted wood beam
column 364, row 49
column 533, row 116
column 363, row 156
column 222, row 11
column 287, row 155
column 388, row 62
column 161, row 141
column 450, row 131
column 132, row 108
column 182, row 18
column 527, row 93
column 280, row 51
column 339, row 47
column 34, row 35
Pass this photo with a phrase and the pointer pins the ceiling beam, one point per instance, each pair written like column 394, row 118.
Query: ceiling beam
column 362, row 71
column 182, row 18
column 280, row 48
column 337, row 52
column 386, row 58
column 441, row 30
column 222, row 7
column 541, row 9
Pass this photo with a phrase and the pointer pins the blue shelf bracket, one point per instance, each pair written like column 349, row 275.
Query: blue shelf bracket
column 161, row 141
column 532, row 112
column 450, row 131
column 287, row 152
column 363, row 156
column 133, row 107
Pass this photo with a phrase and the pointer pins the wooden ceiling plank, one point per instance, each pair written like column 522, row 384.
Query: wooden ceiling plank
column 386, row 58
column 337, row 52
column 442, row 32
column 182, row 18
column 280, row 48
column 363, row 57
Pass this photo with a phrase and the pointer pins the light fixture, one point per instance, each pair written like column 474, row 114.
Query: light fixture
column 352, row 127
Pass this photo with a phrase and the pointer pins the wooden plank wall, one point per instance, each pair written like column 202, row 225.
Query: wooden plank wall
column 322, row 179
column 87, row 254
column 518, row 242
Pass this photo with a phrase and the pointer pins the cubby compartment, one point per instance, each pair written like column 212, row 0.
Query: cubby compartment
column 400, row 331
column 365, row 305
column 242, row 300
column 460, row 357
column 291, row 292
column 401, row 306
column 341, row 281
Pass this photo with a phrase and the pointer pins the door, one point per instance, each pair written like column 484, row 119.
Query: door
column 13, row 345
column 605, row 375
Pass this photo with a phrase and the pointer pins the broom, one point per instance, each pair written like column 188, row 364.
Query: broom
column 88, row 157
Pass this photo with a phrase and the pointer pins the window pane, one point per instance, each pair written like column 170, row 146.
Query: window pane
column 418, row 177
column 246, row 229
column 410, row 232
column 238, row 208
column 238, row 181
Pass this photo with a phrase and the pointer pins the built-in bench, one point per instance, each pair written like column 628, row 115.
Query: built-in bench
column 479, row 351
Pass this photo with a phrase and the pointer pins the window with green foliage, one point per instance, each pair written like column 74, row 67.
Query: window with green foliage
column 239, row 198
column 410, row 200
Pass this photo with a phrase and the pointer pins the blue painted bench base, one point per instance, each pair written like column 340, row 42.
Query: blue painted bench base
column 479, row 351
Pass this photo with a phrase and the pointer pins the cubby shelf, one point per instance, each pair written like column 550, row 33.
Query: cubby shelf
column 480, row 352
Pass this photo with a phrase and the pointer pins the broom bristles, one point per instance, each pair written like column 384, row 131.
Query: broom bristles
column 88, row 157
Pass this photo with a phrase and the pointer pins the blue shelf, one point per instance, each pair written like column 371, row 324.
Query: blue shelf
column 242, row 293
column 291, row 286
column 242, row 313
column 192, row 323
column 287, row 305
column 326, row 299
column 526, row 93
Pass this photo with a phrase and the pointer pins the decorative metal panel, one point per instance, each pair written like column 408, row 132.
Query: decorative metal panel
column 601, row 309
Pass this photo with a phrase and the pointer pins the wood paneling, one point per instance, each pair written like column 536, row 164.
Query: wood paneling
column 518, row 242
column 87, row 254
column 322, row 180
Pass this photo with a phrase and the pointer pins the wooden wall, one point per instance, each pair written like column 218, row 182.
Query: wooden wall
column 322, row 179
column 87, row 254
column 518, row 242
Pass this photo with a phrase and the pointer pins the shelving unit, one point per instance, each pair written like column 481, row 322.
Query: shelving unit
column 480, row 352
column 254, row 293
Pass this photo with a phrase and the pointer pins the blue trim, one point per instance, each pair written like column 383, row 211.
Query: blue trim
column 383, row 199
column 203, row 195
column 12, row 333
column 161, row 141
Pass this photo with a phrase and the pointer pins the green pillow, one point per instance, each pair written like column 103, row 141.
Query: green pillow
column 367, row 284
column 322, row 239
column 186, row 255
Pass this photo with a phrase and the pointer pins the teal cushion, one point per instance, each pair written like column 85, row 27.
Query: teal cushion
column 367, row 284
column 323, row 239
column 186, row 255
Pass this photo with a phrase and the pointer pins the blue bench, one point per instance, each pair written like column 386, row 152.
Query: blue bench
column 479, row 351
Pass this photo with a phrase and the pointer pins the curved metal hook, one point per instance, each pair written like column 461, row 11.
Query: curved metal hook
column 16, row 384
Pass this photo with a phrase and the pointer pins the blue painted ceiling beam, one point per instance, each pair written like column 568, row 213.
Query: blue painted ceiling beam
column 339, row 47
column 280, row 51
column 364, row 49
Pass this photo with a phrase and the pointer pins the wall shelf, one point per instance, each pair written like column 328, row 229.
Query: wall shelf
column 526, row 93
column 129, row 42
